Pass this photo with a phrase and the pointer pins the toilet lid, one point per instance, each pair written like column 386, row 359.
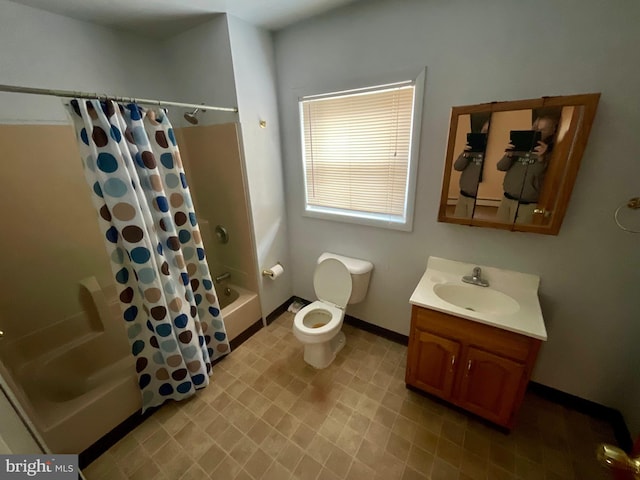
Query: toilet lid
column 332, row 282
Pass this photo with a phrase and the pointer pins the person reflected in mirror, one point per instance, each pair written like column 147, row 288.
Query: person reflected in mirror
column 470, row 163
column 525, row 172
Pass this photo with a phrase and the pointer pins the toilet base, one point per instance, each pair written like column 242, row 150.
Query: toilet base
column 320, row 355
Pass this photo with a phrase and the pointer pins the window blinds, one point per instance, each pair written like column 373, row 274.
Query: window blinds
column 356, row 150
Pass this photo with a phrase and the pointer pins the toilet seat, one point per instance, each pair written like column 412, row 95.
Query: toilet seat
column 335, row 313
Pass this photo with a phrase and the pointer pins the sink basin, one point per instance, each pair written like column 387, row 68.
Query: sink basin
column 477, row 299
column 510, row 302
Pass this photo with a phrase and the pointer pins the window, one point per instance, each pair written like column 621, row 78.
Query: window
column 358, row 157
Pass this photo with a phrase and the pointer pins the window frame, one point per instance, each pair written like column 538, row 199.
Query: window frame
column 393, row 222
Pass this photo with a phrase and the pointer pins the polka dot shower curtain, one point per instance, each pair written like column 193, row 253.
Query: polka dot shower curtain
column 169, row 304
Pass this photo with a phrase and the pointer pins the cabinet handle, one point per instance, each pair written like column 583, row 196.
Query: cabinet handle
column 469, row 367
column 542, row 211
column 453, row 362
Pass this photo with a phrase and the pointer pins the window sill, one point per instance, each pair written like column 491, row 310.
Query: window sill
column 391, row 222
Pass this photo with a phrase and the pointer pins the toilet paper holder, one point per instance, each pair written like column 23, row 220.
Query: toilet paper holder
column 268, row 272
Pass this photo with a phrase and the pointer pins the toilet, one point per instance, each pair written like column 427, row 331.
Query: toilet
column 337, row 281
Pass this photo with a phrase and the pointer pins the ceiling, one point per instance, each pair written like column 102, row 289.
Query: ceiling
column 166, row 17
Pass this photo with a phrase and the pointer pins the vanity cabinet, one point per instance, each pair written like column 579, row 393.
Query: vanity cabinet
column 480, row 368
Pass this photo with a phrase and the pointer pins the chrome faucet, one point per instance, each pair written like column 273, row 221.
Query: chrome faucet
column 222, row 277
column 476, row 278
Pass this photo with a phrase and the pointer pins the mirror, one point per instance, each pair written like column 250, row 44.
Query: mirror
column 512, row 165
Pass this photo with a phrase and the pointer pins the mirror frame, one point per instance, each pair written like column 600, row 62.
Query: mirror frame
column 588, row 101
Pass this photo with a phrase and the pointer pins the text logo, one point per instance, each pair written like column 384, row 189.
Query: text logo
column 50, row 467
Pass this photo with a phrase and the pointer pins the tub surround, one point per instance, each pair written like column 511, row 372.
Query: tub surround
column 213, row 163
column 520, row 287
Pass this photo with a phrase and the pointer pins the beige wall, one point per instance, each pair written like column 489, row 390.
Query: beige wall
column 214, row 169
column 50, row 239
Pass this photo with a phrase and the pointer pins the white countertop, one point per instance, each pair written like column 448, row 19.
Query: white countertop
column 521, row 287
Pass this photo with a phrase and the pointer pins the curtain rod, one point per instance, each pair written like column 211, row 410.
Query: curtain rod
column 144, row 101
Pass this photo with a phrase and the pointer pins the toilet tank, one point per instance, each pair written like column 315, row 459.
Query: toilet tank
column 360, row 274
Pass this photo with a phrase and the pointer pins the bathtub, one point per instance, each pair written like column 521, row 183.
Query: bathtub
column 240, row 308
column 80, row 391
column 86, row 386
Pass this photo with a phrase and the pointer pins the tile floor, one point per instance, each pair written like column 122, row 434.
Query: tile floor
column 267, row 415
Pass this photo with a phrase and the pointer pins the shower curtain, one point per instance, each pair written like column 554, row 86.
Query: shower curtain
column 139, row 189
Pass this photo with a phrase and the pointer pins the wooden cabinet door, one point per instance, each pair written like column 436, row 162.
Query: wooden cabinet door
column 432, row 363
column 489, row 385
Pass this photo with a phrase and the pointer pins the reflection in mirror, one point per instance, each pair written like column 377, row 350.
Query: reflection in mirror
column 520, row 175
column 491, row 189
column 525, row 163
column 470, row 147
column 522, row 143
column 568, row 123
